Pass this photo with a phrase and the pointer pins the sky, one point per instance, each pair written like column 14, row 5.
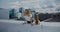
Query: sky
column 39, row 5
column 24, row 3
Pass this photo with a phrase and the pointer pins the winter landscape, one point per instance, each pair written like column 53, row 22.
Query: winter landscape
column 12, row 15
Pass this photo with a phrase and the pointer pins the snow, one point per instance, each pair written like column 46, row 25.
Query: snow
column 53, row 24
column 12, row 21
column 17, row 26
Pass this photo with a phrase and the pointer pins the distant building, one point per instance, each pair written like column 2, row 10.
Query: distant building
column 33, row 13
column 12, row 13
column 21, row 10
column 4, row 13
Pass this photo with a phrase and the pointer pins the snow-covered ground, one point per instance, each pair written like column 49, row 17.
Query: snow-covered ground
column 17, row 26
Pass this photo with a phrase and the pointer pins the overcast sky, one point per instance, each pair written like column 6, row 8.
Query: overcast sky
column 24, row 3
column 42, row 5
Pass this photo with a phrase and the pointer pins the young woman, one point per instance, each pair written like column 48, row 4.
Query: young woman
column 28, row 17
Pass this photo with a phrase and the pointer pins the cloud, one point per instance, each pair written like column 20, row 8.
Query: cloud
column 25, row 4
column 13, row 4
column 30, row 3
column 37, row 4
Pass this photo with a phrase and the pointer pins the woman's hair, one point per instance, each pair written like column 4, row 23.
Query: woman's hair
column 27, row 12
